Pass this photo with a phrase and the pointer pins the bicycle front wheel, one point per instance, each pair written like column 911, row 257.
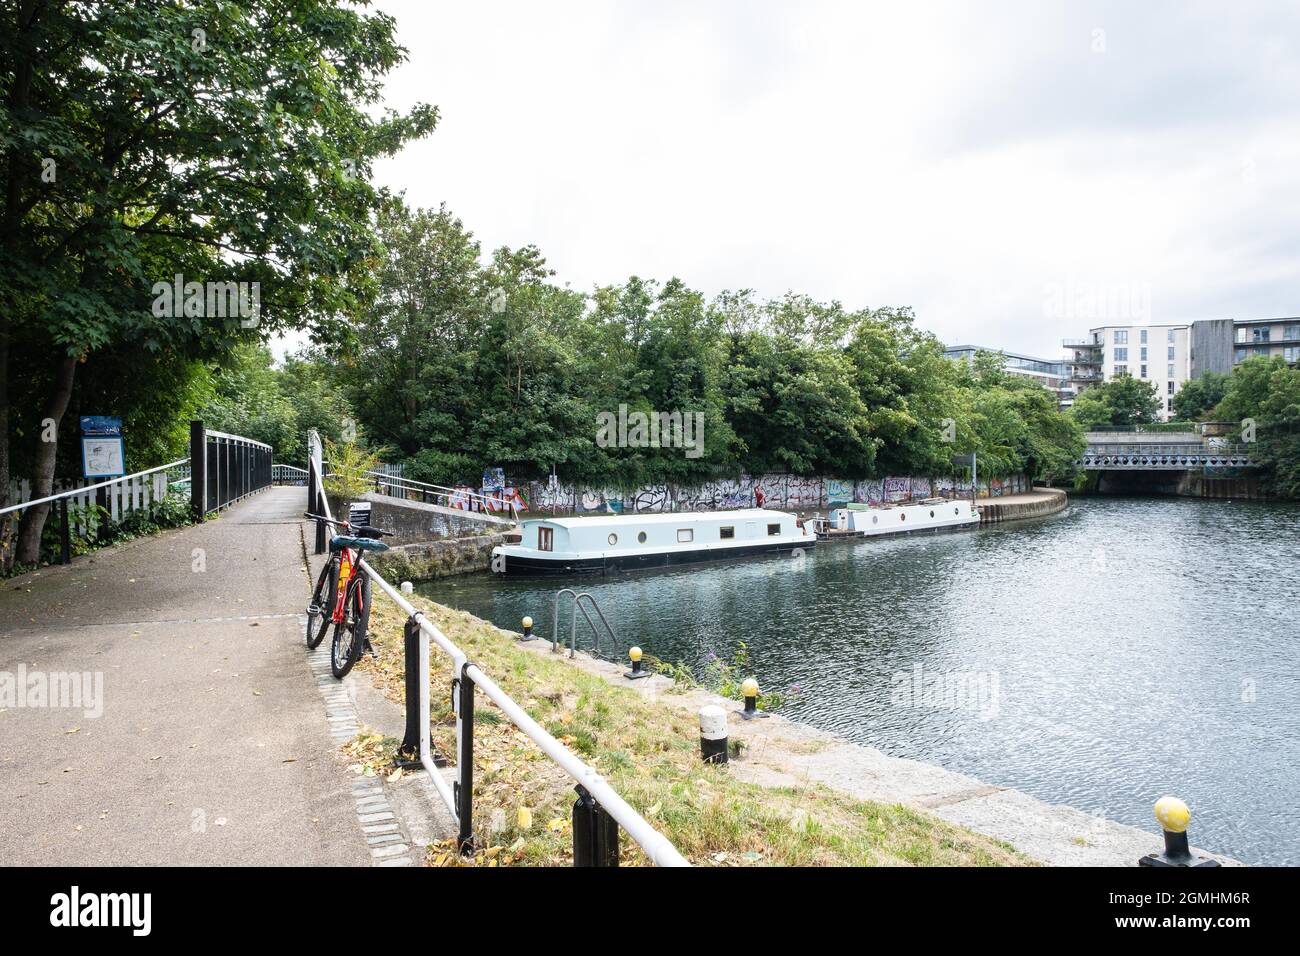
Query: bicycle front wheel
column 350, row 633
column 321, row 608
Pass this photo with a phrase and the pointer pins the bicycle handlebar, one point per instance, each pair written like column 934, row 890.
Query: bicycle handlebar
column 362, row 531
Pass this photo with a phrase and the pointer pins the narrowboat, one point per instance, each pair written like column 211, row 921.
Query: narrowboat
column 604, row 543
column 866, row 521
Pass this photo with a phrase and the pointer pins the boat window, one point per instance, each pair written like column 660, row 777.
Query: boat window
column 773, row 530
column 931, row 515
column 685, row 535
column 545, row 539
column 613, row 538
column 875, row 519
column 728, row 532
column 641, row 537
column 901, row 516
column 955, row 511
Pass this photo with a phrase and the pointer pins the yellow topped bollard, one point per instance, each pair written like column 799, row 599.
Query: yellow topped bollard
column 749, row 690
column 528, row 628
column 636, row 673
column 1174, row 816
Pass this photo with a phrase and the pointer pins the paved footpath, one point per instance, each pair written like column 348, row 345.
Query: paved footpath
column 214, row 745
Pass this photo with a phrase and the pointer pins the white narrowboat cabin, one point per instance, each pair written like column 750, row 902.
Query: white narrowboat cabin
column 603, row 543
column 935, row 514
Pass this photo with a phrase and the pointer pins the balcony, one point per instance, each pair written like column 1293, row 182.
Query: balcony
column 1081, row 343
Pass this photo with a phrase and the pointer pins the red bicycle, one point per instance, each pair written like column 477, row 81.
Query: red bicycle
column 342, row 595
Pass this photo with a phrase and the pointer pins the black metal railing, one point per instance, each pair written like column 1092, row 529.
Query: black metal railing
column 225, row 468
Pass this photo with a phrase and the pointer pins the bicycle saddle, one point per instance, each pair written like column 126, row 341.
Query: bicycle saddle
column 340, row 541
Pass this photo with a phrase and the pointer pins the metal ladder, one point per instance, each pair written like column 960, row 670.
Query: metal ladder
column 573, row 631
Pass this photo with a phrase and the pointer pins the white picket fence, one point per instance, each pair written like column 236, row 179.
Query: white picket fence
column 133, row 493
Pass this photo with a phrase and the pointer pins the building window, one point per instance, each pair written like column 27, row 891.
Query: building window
column 1144, row 371
column 773, row 530
column 1171, row 353
column 1170, row 373
column 1121, row 336
column 1121, row 355
column 1171, row 336
column 545, row 539
column 1143, row 335
column 727, row 532
column 1259, row 335
column 1121, row 370
column 1291, row 332
column 1169, row 404
column 685, row 535
column 1170, row 389
column 1144, row 352
column 1291, row 353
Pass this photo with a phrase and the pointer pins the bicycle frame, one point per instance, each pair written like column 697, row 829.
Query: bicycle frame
column 349, row 568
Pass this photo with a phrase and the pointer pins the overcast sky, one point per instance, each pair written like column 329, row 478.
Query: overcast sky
column 991, row 164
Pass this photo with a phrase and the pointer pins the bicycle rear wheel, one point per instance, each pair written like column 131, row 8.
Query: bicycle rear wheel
column 350, row 633
column 321, row 608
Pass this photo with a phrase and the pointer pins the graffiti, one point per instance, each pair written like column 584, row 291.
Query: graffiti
column 869, row 492
column 803, row 492
column 897, row 489
column 838, row 489
column 789, row 492
column 654, row 498
column 606, row 501
column 550, row 496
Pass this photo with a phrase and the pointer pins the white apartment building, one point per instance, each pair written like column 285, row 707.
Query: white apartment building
column 1160, row 354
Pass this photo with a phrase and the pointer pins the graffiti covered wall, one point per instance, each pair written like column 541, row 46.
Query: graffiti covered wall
column 786, row 492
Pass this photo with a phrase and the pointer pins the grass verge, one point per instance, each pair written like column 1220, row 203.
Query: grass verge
column 649, row 752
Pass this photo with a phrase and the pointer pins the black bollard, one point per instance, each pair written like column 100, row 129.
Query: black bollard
column 1174, row 817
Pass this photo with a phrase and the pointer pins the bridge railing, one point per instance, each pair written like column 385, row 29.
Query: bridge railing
column 598, row 803
column 225, row 468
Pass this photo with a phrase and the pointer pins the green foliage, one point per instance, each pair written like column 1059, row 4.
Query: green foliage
column 1122, row 402
column 1200, row 395
column 250, row 397
column 1266, row 392
column 347, row 470
column 464, row 363
column 88, row 520
column 722, row 676
column 219, row 141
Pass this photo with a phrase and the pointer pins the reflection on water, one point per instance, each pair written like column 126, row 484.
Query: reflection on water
column 1126, row 649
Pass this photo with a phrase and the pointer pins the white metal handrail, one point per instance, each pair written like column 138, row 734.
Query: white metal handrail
column 84, row 488
column 439, row 491
column 656, row 846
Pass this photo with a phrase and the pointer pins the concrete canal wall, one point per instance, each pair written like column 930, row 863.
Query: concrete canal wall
column 1033, row 504
column 437, row 559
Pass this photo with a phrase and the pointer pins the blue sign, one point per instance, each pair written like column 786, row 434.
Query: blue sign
column 100, row 425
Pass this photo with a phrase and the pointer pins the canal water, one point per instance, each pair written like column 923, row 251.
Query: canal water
column 1101, row 658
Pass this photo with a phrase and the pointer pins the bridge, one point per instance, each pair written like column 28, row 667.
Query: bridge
column 1160, row 451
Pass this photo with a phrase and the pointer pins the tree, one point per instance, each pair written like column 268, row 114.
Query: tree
column 222, row 140
column 1122, row 402
column 1198, row 396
